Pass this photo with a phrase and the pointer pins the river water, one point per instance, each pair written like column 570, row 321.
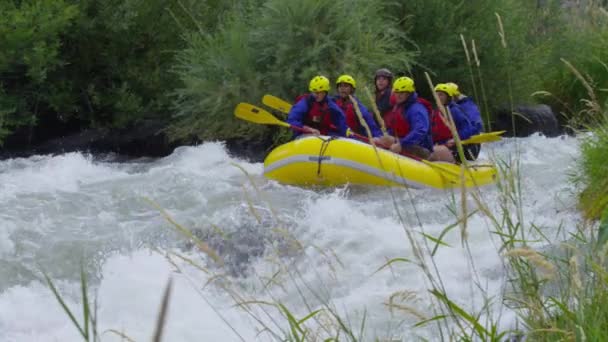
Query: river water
column 307, row 249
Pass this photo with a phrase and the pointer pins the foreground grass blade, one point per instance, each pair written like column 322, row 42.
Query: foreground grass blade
column 83, row 331
column 162, row 314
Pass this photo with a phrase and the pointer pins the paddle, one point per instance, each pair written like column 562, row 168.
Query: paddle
column 284, row 107
column 484, row 137
column 376, row 111
column 276, row 103
column 251, row 113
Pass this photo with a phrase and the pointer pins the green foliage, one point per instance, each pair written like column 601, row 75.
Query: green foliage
column 581, row 40
column 276, row 47
column 98, row 63
column 88, row 328
column 218, row 71
column 578, row 311
column 594, row 198
column 116, row 62
column 515, row 60
column 593, row 116
column 30, row 36
column 442, row 51
column 123, row 53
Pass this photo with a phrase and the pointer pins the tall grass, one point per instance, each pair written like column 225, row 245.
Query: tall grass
column 276, row 47
column 594, row 198
column 272, row 46
column 87, row 324
column 594, row 175
column 442, row 54
column 581, row 42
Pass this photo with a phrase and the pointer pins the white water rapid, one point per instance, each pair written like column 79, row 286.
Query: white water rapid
column 60, row 212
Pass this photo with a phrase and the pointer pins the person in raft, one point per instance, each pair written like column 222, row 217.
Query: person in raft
column 407, row 122
column 383, row 78
column 316, row 113
column 445, row 148
column 468, row 106
column 346, row 86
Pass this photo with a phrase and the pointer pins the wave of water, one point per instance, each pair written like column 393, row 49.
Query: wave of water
column 58, row 212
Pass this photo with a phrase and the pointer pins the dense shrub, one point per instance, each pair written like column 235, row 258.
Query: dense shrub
column 275, row 47
column 98, row 63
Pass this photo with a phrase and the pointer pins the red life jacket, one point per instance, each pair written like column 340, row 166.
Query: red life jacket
column 426, row 104
column 352, row 120
column 318, row 116
column 439, row 130
column 395, row 120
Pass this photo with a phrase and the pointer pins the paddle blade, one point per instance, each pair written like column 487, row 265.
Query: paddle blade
column 276, row 103
column 484, row 137
column 251, row 113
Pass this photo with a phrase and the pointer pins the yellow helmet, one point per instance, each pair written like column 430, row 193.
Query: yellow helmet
column 348, row 79
column 444, row 87
column 454, row 87
column 319, row 83
column 403, row 84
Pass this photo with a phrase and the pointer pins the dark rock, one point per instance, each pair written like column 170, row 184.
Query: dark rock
column 528, row 119
column 253, row 151
column 146, row 139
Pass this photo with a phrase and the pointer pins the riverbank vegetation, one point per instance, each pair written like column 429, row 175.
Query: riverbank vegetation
column 74, row 65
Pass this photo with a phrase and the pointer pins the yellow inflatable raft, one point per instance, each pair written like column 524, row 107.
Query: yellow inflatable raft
column 326, row 161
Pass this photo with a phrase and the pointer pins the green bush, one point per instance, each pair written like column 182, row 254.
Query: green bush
column 97, row 63
column 116, row 62
column 581, row 41
column 122, row 54
column 594, row 197
column 275, row 47
column 509, row 70
column 30, row 36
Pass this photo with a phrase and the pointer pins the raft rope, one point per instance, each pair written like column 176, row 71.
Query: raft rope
column 324, row 147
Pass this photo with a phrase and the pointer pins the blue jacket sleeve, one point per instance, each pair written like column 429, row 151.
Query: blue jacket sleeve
column 337, row 117
column 297, row 114
column 418, row 118
column 369, row 119
column 471, row 109
column 463, row 125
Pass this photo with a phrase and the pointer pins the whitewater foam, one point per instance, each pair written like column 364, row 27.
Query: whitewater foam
column 328, row 245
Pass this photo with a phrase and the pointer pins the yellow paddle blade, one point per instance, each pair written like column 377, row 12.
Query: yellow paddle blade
column 484, row 137
column 276, row 103
column 251, row 113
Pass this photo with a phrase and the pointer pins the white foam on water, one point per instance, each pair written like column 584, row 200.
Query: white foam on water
column 65, row 207
column 45, row 174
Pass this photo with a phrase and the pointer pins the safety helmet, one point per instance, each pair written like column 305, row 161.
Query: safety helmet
column 385, row 73
column 444, row 87
column 348, row 79
column 319, row 83
column 454, row 87
column 403, row 84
